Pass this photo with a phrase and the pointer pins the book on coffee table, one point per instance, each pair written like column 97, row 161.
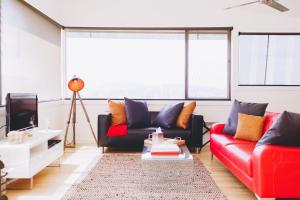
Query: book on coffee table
column 165, row 149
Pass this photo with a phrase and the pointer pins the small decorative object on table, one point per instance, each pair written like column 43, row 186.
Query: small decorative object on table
column 177, row 140
column 17, row 137
column 157, row 136
column 161, row 146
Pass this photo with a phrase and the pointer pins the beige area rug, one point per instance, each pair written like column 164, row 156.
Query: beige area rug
column 124, row 176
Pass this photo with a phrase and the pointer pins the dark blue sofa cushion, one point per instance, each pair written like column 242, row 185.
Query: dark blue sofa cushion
column 167, row 117
column 137, row 113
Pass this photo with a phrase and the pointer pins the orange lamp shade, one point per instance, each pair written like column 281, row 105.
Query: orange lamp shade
column 76, row 84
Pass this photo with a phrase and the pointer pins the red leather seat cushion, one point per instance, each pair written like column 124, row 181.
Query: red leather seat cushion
column 241, row 155
column 239, row 152
column 117, row 131
column 221, row 140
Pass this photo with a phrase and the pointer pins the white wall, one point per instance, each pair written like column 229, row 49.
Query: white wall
column 30, row 52
column 2, row 122
column 30, row 60
column 178, row 13
column 168, row 15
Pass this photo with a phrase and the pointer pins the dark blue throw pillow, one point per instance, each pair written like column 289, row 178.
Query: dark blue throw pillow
column 257, row 109
column 166, row 118
column 137, row 113
column 284, row 131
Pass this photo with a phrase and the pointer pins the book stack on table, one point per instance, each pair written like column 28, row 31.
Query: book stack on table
column 165, row 150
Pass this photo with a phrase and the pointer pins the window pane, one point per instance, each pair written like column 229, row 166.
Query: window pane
column 283, row 60
column 141, row 65
column 208, row 69
column 253, row 58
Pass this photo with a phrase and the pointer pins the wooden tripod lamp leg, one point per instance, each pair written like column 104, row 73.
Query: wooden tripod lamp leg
column 69, row 119
column 87, row 117
column 73, row 143
column 72, row 108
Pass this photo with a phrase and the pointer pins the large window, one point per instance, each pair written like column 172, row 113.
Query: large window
column 208, row 65
column 150, row 64
column 269, row 59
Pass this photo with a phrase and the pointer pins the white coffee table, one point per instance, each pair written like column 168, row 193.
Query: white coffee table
column 167, row 168
column 184, row 155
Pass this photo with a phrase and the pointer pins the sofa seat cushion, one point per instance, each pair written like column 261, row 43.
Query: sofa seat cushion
column 221, row 140
column 141, row 131
column 168, row 133
column 241, row 155
column 176, row 132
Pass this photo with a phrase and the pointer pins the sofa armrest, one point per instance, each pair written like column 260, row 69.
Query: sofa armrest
column 276, row 171
column 217, row 128
column 196, row 127
column 104, row 122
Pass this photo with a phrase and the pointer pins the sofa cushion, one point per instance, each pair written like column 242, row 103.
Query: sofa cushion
column 241, row 155
column 172, row 133
column 129, row 141
column 143, row 131
column 118, row 113
column 117, row 131
column 221, row 140
column 168, row 133
column 257, row 109
column 285, row 131
column 167, row 116
column 185, row 114
column 250, row 127
column 137, row 113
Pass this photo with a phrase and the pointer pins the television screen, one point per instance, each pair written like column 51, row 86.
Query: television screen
column 21, row 111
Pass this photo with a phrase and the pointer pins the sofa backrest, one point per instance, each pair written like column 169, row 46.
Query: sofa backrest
column 153, row 114
column 269, row 120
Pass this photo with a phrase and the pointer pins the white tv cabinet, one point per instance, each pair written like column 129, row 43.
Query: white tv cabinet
column 23, row 161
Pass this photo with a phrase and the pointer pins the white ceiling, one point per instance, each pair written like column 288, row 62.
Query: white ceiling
column 97, row 13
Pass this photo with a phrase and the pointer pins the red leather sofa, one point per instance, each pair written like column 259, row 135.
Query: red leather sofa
column 270, row 171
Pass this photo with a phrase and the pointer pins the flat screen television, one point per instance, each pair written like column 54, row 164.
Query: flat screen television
column 21, row 111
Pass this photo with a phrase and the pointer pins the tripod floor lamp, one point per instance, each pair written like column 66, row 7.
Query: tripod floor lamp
column 75, row 85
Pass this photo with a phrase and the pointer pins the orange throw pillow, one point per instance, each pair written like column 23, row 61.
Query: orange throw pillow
column 185, row 114
column 118, row 113
column 250, row 127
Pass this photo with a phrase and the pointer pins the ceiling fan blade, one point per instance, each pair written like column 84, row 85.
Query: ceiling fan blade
column 277, row 6
column 244, row 4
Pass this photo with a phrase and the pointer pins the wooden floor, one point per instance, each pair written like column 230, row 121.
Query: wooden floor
column 52, row 183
